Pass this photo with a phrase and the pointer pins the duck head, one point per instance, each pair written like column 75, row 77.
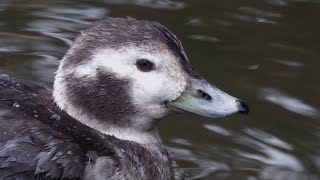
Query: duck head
column 122, row 75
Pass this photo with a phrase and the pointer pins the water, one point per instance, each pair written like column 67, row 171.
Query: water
column 265, row 52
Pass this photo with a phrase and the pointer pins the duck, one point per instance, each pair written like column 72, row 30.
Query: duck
column 120, row 77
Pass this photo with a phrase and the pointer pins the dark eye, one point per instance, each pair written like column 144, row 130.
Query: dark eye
column 145, row 65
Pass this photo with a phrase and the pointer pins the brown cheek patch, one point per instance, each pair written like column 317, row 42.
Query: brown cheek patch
column 103, row 97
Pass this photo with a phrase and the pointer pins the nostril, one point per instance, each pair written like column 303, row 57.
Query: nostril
column 242, row 106
column 204, row 95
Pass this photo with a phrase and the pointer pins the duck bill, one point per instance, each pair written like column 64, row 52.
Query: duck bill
column 204, row 99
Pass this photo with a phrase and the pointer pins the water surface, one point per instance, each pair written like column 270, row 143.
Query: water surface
column 265, row 51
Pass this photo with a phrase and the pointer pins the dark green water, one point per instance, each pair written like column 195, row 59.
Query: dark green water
column 266, row 52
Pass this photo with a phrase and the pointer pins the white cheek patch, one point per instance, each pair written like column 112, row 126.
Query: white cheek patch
column 149, row 89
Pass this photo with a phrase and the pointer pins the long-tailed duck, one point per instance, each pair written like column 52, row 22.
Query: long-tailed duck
column 120, row 77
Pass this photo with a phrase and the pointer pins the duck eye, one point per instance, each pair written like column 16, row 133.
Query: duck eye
column 145, row 65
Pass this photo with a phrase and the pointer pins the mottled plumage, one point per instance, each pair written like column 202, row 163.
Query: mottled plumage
column 100, row 120
column 39, row 141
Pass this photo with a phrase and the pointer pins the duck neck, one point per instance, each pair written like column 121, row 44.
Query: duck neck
column 145, row 134
column 144, row 137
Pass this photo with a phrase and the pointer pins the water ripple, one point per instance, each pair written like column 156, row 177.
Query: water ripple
column 195, row 21
column 271, row 155
column 59, row 22
column 15, row 42
column 277, row 2
column 252, row 14
column 268, row 138
column 204, row 166
column 259, row 12
column 44, row 66
column 181, row 141
column 276, row 173
column 218, row 129
column 287, row 62
column 78, row 13
column 288, row 102
column 161, row 4
column 204, row 38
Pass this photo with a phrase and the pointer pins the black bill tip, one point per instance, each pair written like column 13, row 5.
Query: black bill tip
column 242, row 106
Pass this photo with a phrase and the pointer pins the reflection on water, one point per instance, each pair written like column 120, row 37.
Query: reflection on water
column 204, row 167
column 249, row 18
column 157, row 4
column 204, row 38
column 269, row 151
column 266, row 52
column 291, row 63
column 290, row 103
column 218, row 129
column 278, row 2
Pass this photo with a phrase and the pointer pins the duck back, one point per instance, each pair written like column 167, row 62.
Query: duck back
column 39, row 141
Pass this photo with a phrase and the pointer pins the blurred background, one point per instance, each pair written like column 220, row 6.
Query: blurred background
column 266, row 52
